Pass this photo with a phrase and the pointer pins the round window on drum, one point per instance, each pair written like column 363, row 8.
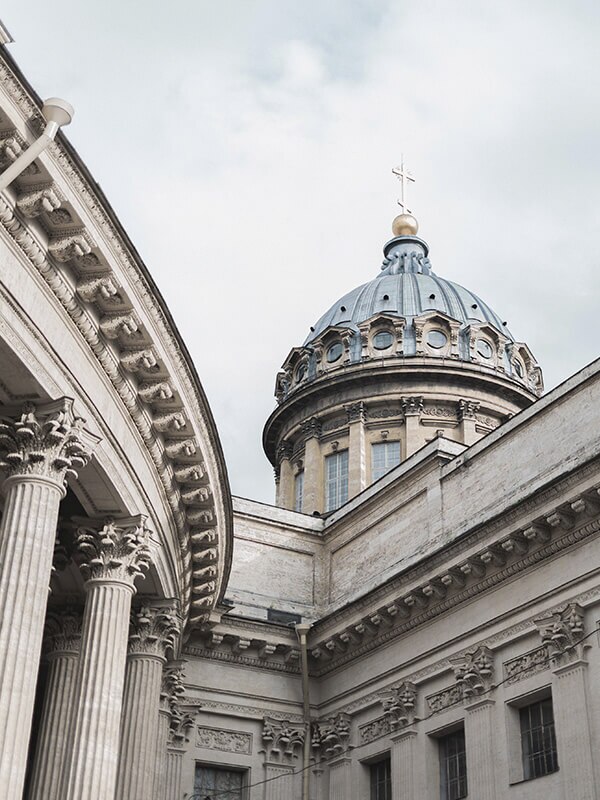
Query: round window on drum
column 437, row 339
column 484, row 348
column 383, row 340
column 334, row 353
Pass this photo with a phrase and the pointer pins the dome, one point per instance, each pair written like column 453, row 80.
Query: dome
column 409, row 313
column 407, row 288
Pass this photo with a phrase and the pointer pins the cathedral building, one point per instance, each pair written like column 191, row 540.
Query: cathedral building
column 418, row 616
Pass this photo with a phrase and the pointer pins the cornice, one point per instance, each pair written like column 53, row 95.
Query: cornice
column 454, row 575
column 132, row 336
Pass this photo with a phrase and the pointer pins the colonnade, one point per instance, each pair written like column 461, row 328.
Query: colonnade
column 111, row 710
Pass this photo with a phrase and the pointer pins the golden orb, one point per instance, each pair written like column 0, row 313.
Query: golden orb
column 405, row 225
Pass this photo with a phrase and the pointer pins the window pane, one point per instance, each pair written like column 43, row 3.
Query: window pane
column 453, row 766
column 384, row 456
column 538, row 740
column 298, row 491
column 381, row 780
column 336, row 480
column 226, row 784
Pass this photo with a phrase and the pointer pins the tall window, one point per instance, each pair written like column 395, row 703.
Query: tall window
column 218, row 783
column 538, row 740
column 381, row 780
column 453, row 766
column 336, row 480
column 298, row 491
column 384, row 456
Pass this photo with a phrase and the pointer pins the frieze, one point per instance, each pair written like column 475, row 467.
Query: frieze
column 334, row 424
column 446, row 698
column 225, row 740
column 384, row 413
column 374, row 730
column 516, row 669
column 437, row 411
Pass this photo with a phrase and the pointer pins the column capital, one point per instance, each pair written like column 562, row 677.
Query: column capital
column 563, row 633
column 153, row 631
column 356, row 412
column 115, row 551
column 45, row 441
column 62, row 633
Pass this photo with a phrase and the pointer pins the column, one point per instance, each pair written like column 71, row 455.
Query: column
column 415, row 439
column 172, row 689
column 182, row 722
column 279, row 782
column 571, row 706
column 357, row 467
column 153, row 630
column 340, row 779
column 467, row 410
column 38, row 451
column 115, row 555
column 313, row 467
column 63, row 635
column 403, row 766
column 479, row 737
column 173, row 773
column 285, row 487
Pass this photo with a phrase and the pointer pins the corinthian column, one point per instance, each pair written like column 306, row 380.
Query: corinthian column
column 153, row 630
column 114, row 556
column 39, row 451
column 172, row 689
column 63, row 634
column 182, row 722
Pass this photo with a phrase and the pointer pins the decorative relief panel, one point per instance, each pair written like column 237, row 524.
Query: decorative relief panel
column 228, row 741
column 528, row 664
column 374, row 730
column 446, row 698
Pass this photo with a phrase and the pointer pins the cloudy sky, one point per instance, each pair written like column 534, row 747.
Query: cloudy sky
column 247, row 147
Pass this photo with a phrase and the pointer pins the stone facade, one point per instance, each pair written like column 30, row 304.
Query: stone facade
column 142, row 656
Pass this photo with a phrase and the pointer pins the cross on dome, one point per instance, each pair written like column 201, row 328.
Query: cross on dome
column 405, row 178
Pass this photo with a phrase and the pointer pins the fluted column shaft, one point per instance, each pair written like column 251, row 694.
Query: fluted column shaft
column 481, row 758
column 97, row 718
column 173, row 775
column 39, row 449
column 280, row 782
column 160, row 761
column 139, row 732
column 152, row 631
column 340, row 779
column 58, row 703
column 570, row 698
column 27, row 535
column 403, row 766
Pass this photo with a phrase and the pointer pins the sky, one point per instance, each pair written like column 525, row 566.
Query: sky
column 247, row 148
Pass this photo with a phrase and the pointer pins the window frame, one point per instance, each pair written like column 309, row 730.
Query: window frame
column 244, row 772
column 375, row 783
column 340, row 482
column 383, row 445
column 516, row 765
column 443, row 739
column 299, row 491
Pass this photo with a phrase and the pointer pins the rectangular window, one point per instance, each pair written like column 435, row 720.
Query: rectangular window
column 453, row 766
column 298, row 491
column 216, row 782
column 384, row 456
column 538, row 741
column 336, row 480
column 381, row 779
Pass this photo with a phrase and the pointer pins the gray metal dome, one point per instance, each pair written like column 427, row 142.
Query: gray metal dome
column 406, row 287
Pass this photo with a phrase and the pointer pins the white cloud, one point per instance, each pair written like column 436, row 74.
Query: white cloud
column 249, row 151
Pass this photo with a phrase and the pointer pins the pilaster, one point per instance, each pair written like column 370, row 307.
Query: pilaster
column 403, row 764
column 467, row 421
column 412, row 408
column 340, row 779
column 152, row 632
column 115, row 554
column 38, row 451
column 283, row 741
column 479, row 738
column 285, row 489
column 313, row 467
column 357, row 467
column 63, row 638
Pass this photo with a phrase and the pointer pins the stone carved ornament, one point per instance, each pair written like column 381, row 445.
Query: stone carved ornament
column 474, row 671
column 563, row 633
column 118, row 550
column 46, row 441
column 153, row 630
column 283, row 740
column 331, row 736
column 399, row 705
